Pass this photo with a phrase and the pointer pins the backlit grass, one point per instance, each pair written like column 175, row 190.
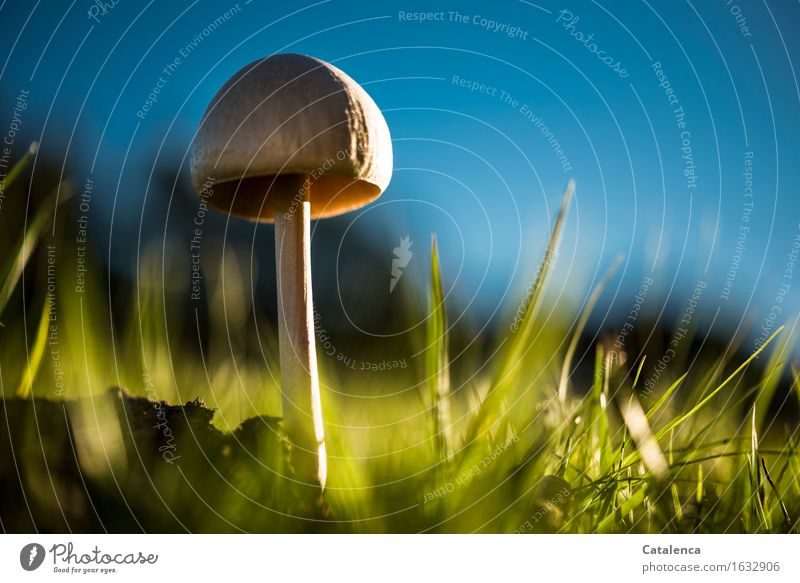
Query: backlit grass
column 517, row 444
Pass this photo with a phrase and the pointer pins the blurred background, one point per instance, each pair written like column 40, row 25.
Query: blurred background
column 678, row 122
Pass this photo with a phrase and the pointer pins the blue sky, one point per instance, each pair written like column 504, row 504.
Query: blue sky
column 479, row 97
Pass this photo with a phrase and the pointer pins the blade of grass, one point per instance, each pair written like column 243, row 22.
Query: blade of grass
column 30, row 238
column 755, row 474
column 771, row 376
column 665, row 397
column 714, row 371
column 775, row 489
column 35, row 355
column 639, row 371
column 699, row 489
column 680, row 420
column 600, row 400
column 524, row 330
column 437, row 359
column 611, row 520
column 17, row 169
column 676, row 500
column 573, row 345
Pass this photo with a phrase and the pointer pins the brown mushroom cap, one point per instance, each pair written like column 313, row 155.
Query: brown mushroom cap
column 291, row 114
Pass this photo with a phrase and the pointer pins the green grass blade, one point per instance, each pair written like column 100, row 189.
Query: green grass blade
column 713, row 372
column 755, row 468
column 636, row 421
column 524, row 329
column 777, row 493
column 699, row 493
column 437, row 359
column 773, row 371
column 17, row 169
column 673, row 487
column 30, row 238
column 35, row 355
column 611, row 521
column 680, row 420
column 587, row 311
column 639, row 372
column 665, row 397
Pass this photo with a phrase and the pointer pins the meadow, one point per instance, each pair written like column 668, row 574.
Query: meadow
column 110, row 425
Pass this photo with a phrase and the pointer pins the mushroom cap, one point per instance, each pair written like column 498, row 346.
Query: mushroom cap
column 291, row 114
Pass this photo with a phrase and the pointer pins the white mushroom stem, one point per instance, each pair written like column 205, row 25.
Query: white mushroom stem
column 302, row 409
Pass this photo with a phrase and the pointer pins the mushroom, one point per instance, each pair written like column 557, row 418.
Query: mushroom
column 287, row 139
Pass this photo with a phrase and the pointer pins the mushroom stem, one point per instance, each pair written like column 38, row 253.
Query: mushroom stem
column 302, row 410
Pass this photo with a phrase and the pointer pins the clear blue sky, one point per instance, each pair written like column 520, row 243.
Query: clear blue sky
column 479, row 97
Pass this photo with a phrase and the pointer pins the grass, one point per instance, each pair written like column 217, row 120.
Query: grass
column 518, row 442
